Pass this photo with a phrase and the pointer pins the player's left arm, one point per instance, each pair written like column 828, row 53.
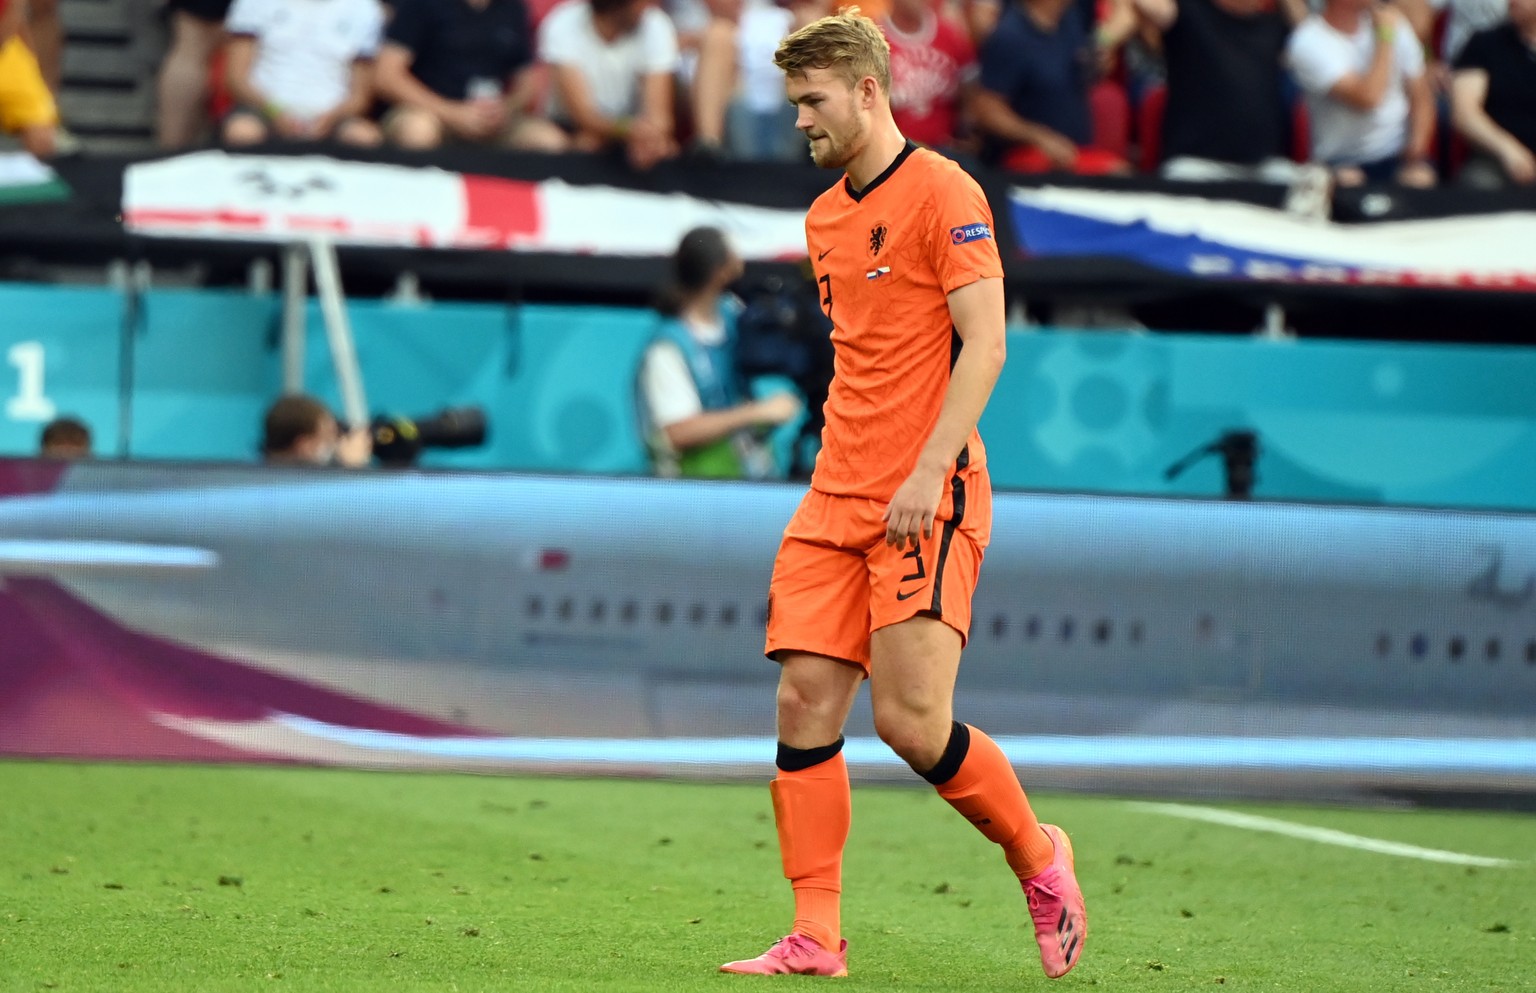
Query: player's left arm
column 977, row 310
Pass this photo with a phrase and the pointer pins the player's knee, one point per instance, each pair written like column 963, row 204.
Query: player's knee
column 795, row 701
column 805, row 711
column 912, row 735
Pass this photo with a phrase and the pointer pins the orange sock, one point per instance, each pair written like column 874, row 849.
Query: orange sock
column 812, row 807
column 976, row 778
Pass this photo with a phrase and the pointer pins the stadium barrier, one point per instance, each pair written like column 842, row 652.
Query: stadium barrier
column 178, row 374
column 499, row 622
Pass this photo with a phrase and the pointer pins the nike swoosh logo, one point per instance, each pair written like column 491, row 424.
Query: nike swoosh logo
column 907, row 596
column 826, row 253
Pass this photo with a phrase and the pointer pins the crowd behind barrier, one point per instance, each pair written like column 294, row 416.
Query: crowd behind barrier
column 1411, row 92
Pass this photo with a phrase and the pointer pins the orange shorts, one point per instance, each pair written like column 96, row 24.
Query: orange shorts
column 835, row 580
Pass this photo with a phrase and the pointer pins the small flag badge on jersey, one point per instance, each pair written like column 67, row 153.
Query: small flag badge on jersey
column 970, row 232
column 877, row 273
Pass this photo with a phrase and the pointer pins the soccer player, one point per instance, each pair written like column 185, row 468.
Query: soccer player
column 875, row 572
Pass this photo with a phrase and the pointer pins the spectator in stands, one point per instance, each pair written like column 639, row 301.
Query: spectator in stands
column 27, row 108
column 300, row 430
column 1462, row 19
column 1368, row 95
column 1493, row 97
column 697, row 418
column 197, row 31
column 1226, row 115
column 463, row 70
column 302, row 71
column 979, row 17
column 65, row 438
column 613, row 64
column 1037, row 68
column 690, row 19
column 933, row 71
column 739, row 110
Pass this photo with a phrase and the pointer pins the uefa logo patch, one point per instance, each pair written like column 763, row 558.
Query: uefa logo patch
column 970, row 232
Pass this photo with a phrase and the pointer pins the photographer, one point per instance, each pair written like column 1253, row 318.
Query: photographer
column 300, row 430
column 695, row 411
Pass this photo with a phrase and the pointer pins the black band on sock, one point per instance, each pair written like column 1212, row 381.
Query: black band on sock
column 797, row 759
column 954, row 754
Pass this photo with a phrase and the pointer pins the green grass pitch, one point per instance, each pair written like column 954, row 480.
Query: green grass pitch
column 203, row 879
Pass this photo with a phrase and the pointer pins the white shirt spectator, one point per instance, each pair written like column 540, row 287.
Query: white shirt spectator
column 763, row 25
column 666, row 385
column 305, row 48
column 613, row 72
column 1321, row 56
column 1467, row 18
column 692, row 16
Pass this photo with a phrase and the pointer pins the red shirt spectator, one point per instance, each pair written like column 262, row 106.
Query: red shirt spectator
column 933, row 63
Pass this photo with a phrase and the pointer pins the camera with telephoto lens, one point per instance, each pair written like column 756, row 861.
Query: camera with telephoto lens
column 398, row 441
column 782, row 331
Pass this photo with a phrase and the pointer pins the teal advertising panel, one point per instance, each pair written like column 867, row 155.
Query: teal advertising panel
column 60, row 354
column 1094, row 411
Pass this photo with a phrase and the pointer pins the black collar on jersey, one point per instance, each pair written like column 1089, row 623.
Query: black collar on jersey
column 858, row 195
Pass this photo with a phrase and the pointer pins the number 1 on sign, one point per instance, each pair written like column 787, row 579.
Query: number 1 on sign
column 30, row 402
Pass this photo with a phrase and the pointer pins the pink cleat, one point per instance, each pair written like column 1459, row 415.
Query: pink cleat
column 793, row 954
column 1056, row 904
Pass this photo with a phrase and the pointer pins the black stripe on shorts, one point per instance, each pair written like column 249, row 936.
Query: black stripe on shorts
column 957, row 491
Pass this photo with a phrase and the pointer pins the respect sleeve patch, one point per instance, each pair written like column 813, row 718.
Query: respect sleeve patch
column 970, row 232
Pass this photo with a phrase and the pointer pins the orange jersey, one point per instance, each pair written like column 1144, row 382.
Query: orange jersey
column 885, row 261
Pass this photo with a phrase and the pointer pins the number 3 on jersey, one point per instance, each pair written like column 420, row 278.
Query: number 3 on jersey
column 826, row 299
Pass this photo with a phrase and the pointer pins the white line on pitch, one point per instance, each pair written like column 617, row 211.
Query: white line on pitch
column 1327, row 836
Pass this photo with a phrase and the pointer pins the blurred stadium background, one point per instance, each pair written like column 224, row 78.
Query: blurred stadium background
column 1359, row 624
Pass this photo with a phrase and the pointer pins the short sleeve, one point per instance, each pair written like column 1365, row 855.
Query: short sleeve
column 667, row 386
column 660, row 42
column 962, row 242
column 369, row 31
column 408, row 28
column 1474, row 54
column 1409, row 54
column 1318, row 64
column 248, row 18
column 559, row 43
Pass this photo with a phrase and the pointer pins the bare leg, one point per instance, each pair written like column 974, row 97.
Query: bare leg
column 183, row 86
column 912, row 686
column 815, row 695
column 414, row 128
column 715, row 82
column 361, row 133
column 535, row 134
column 244, row 129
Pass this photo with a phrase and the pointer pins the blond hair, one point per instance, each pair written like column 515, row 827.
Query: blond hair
column 847, row 42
